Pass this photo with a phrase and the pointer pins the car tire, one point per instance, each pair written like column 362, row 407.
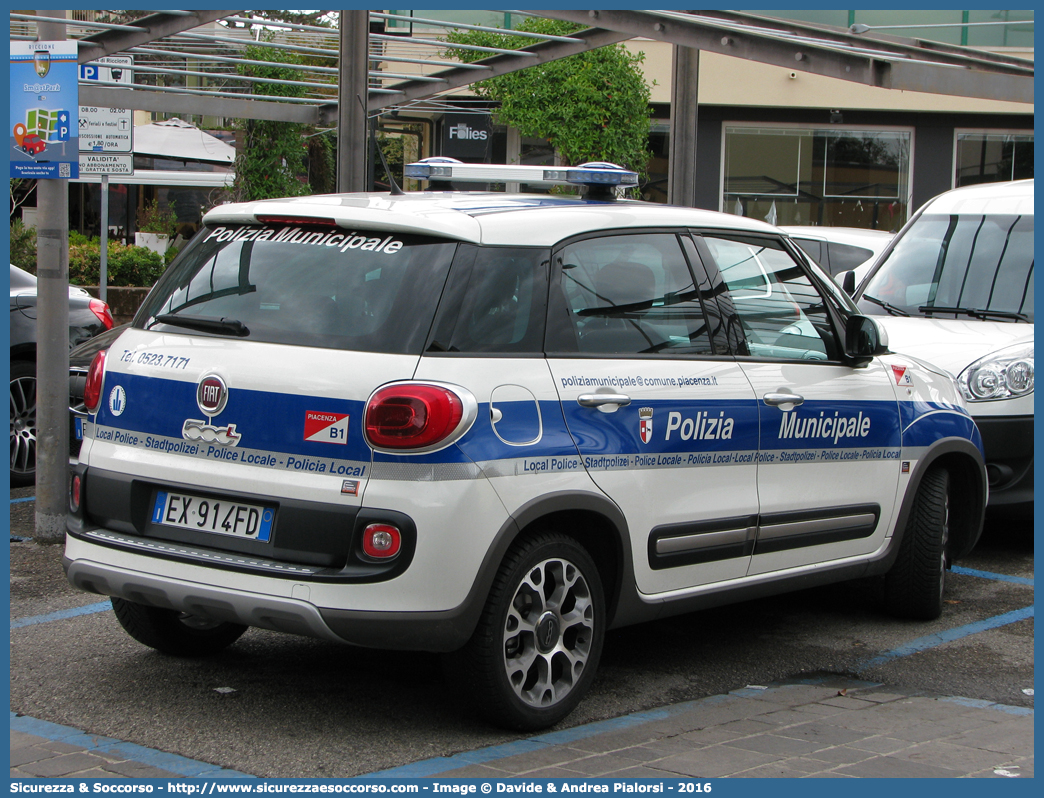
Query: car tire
column 547, row 587
column 23, row 423
column 914, row 584
column 176, row 633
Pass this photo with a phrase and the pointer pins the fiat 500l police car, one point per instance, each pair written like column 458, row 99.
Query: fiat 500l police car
column 499, row 425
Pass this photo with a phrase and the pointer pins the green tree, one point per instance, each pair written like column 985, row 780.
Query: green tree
column 23, row 246
column 270, row 156
column 322, row 172
column 593, row 106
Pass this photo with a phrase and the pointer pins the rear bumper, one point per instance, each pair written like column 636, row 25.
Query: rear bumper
column 1008, row 443
column 290, row 609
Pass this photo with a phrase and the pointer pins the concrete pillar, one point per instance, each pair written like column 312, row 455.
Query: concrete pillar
column 52, row 341
column 352, row 101
column 681, row 174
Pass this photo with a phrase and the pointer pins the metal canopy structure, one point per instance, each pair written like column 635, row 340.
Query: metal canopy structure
column 872, row 59
column 411, row 73
column 886, row 62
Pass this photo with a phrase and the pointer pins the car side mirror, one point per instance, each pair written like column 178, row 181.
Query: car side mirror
column 864, row 340
column 848, row 283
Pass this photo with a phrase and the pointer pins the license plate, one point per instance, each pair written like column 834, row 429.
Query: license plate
column 79, row 428
column 223, row 517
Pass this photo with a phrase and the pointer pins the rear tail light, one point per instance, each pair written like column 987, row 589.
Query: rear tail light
column 381, row 541
column 74, row 493
column 101, row 310
column 418, row 416
column 92, row 390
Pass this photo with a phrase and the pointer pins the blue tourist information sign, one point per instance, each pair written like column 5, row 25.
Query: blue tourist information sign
column 45, row 106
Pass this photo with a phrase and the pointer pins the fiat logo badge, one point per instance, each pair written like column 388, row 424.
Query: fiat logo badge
column 211, row 395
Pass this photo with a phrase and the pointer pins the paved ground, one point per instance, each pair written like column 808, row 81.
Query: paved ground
column 821, row 728
column 388, row 714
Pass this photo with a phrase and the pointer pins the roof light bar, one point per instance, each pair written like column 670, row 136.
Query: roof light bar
column 588, row 174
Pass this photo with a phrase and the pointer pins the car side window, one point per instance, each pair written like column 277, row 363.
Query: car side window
column 627, row 295
column 780, row 310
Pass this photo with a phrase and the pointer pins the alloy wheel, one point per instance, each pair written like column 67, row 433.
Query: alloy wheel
column 548, row 632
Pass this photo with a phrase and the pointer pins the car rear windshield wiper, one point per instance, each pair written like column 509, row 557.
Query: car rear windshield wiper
column 890, row 308
column 222, row 326
column 976, row 313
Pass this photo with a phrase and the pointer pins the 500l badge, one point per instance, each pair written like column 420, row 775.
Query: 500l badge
column 194, row 430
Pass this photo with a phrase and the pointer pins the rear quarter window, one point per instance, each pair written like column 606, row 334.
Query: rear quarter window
column 495, row 302
column 318, row 286
column 846, row 256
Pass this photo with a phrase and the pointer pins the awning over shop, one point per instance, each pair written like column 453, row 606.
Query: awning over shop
column 179, row 141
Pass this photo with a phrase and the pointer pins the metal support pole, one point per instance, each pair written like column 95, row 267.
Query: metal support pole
column 681, row 175
column 103, row 271
column 52, row 341
column 352, row 101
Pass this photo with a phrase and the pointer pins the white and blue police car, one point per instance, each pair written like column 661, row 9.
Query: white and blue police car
column 497, row 425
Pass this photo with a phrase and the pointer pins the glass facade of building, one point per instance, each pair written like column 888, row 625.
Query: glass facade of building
column 985, row 156
column 826, row 176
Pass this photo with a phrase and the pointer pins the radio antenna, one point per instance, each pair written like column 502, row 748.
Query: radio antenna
column 395, row 191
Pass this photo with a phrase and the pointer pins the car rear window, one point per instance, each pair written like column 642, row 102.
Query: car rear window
column 304, row 285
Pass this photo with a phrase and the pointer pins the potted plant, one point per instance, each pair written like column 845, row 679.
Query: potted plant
column 155, row 227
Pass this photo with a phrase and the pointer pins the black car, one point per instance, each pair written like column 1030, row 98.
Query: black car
column 87, row 317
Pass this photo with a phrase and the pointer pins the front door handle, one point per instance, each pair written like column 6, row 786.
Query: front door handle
column 600, row 399
column 779, row 399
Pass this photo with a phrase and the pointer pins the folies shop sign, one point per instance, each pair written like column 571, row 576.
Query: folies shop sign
column 467, row 136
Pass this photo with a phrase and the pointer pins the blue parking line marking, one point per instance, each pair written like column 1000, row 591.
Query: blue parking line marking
column 26, row 499
column 981, row 703
column 947, row 636
column 1018, row 580
column 173, row 763
column 61, row 615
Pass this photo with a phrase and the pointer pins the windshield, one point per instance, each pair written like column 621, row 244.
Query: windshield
column 304, row 285
column 957, row 266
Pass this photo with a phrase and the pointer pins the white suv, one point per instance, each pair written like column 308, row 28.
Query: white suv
column 497, row 426
column 956, row 288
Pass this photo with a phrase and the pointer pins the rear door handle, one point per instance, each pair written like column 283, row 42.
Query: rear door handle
column 600, row 399
column 778, row 399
